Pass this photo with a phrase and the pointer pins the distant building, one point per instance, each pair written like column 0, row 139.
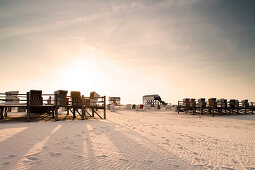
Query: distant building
column 114, row 101
column 153, row 100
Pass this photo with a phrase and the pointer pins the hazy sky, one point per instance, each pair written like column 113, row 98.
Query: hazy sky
column 129, row 48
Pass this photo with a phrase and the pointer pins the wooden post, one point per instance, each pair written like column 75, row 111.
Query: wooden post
column 178, row 107
column 213, row 111
column 67, row 110
column 56, row 107
column 251, row 107
column 2, row 110
column 93, row 113
column 82, row 107
column 74, row 109
column 28, row 107
column 201, row 110
column 5, row 111
column 104, row 108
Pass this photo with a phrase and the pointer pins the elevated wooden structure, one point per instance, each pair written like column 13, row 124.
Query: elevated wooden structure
column 34, row 102
column 114, row 101
column 213, row 106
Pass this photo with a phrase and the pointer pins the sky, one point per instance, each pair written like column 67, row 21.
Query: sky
column 130, row 48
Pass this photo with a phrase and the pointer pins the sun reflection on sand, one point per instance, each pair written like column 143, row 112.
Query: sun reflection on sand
column 7, row 133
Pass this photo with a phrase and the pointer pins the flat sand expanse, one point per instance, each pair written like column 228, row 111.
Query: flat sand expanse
column 131, row 140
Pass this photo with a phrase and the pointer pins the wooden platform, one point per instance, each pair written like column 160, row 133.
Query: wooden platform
column 82, row 109
column 215, row 110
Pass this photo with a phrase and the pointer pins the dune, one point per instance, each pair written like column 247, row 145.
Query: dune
column 131, row 140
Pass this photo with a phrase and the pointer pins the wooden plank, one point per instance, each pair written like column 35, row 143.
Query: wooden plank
column 98, row 115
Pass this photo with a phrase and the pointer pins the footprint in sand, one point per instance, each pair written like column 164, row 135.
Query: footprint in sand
column 234, row 161
column 124, row 160
column 174, row 165
column 199, row 159
column 210, row 167
column 85, row 138
column 78, row 156
column 181, row 148
column 12, row 156
column 102, row 156
column 54, row 154
column 227, row 168
column 68, row 147
column 32, row 157
column 165, row 143
column 6, row 163
column 148, row 161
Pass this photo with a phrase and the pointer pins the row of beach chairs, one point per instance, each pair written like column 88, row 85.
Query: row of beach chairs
column 214, row 105
column 35, row 101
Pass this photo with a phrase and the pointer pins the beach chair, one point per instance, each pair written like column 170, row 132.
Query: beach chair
column 186, row 102
column 61, row 100
column 36, row 101
column 93, row 99
column 212, row 102
column 77, row 102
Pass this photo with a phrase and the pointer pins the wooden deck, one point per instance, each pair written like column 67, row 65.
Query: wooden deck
column 83, row 109
column 229, row 110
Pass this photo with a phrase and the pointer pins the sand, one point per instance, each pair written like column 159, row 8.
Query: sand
column 131, row 140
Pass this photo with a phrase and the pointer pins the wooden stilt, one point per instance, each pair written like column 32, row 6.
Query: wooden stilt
column 82, row 108
column 104, row 108
column 67, row 110
column 5, row 112
column 252, row 108
column 74, row 109
column 53, row 113
column 93, row 113
column 28, row 107
column 1, row 112
column 56, row 107
column 178, row 107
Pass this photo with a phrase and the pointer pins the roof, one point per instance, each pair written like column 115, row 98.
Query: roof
column 152, row 95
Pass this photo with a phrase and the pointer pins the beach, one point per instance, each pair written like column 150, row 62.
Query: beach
column 131, row 140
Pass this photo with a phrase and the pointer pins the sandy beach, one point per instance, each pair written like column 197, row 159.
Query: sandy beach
column 131, row 140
